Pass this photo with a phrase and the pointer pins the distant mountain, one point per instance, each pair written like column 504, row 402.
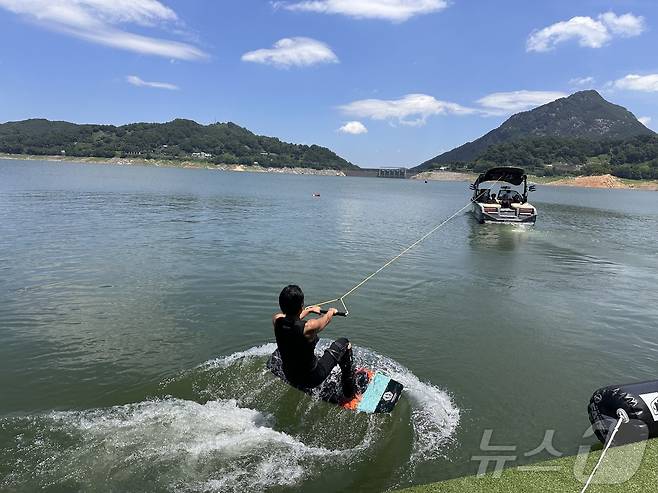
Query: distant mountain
column 220, row 143
column 584, row 115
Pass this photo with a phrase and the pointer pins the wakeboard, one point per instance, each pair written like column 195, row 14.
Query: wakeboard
column 377, row 393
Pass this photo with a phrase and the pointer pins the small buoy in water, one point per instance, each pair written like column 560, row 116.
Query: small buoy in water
column 640, row 403
column 316, row 195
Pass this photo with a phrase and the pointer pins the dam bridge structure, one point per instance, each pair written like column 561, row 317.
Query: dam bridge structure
column 392, row 173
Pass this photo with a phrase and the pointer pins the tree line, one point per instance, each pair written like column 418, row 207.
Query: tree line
column 220, row 143
column 635, row 158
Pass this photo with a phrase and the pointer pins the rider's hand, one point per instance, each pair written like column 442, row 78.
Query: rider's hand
column 332, row 311
column 315, row 309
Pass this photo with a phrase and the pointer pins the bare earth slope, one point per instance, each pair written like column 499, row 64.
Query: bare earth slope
column 602, row 181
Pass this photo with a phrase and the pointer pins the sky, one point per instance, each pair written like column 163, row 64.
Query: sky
column 380, row 82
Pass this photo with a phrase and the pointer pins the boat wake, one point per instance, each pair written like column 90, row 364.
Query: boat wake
column 227, row 425
column 434, row 419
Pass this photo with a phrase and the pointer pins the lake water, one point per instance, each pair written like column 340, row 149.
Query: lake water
column 135, row 310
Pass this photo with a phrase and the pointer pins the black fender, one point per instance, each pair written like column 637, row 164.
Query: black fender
column 638, row 400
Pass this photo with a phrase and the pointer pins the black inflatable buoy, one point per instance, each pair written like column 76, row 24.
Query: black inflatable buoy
column 638, row 400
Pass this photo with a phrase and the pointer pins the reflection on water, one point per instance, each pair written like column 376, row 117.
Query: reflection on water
column 503, row 237
column 115, row 279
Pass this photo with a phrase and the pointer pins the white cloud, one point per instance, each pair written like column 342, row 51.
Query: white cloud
column 287, row 52
column 582, row 81
column 353, row 128
column 412, row 109
column 627, row 25
column 645, row 120
column 512, row 102
column 415, row 109
column 136, row 81
column 634, row 82
column 392, row 10
column 96, row 21
column 591, row 33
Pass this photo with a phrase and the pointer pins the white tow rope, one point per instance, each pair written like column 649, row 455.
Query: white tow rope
column 341, row 299
column 623, row 419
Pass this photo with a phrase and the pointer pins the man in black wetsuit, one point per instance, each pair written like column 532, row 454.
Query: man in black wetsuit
column 297, row 338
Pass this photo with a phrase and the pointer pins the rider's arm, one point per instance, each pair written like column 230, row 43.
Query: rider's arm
column 317, row 325
column 307, row 311
column 276, row 317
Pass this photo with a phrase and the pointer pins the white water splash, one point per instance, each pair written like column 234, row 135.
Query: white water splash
column 217, row 446
column 226, row 361
column 435, row 417
column 224, row 445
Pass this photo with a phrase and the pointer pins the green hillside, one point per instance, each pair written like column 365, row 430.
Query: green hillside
column 220, row 143
column 583, row 116
column 635, row 158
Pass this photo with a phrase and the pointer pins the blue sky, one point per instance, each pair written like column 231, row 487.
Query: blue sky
column 404, row 79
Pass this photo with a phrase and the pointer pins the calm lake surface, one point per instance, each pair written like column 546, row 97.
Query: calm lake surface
column 135, row 310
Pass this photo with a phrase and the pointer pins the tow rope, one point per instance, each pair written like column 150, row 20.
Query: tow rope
column 341, row 299
column 623, row 419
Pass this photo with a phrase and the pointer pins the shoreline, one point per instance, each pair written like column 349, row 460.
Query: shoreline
column 602, row 182
column 164, row 163
column 445, row 176
column 605, row 182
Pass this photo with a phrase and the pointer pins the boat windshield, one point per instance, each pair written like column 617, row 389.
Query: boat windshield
column 510, row 195
column 505, row 195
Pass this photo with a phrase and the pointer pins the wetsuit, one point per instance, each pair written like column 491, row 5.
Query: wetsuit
column 300, row 364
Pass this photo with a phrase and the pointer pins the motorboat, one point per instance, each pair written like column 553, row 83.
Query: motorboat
column 496, row 200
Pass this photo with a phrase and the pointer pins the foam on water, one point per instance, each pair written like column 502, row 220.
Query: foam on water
column 435, row 417
column 226, row 361
column 216, row 446
column 224, row 444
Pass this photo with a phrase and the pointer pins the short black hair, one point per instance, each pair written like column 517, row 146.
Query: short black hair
column 291, row 300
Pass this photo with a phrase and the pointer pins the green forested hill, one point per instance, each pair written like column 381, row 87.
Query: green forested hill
column 222, row 143
column 582, row 117
column 635, row 158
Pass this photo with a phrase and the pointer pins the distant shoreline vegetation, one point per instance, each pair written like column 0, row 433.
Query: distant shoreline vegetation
column 635, row 158
column 179, row 140
column 172, row 163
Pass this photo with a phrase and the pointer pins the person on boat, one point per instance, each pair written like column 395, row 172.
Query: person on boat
column 296, row 339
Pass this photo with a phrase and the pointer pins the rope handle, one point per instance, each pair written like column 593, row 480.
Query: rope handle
column 337, row 314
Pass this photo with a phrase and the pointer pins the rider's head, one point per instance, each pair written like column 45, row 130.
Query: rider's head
column 291, row 300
